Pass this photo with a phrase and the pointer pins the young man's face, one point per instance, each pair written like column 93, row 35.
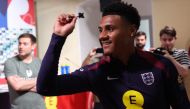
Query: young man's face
column 25, row 47
column 167, row 41
column 140, row 41
column 115, row 35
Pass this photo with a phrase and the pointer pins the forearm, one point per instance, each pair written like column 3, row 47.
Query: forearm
column 25, row 84
column 21, row 84
column 86, row 60
column 46, row 81
column 33, row 89
column 182, row 70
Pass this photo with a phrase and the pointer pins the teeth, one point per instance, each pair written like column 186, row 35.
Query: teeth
column 106, row 42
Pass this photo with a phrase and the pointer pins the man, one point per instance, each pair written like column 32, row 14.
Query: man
column 21, row 72
column 179, row 57
column 140, row 40
column 125, row 78
column 93, row 57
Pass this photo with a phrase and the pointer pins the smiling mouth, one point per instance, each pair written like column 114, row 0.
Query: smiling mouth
column 106, row 43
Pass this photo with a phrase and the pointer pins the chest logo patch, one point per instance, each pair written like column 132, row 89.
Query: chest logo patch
column 148, row 78
column 29, row 73
column 133, row 99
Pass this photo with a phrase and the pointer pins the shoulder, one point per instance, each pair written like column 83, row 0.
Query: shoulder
column 104, row 61
column 180, row 55
column 165, row 65
column 179, row 51
column 36, row 60
column 12, row 60
column 156, row 60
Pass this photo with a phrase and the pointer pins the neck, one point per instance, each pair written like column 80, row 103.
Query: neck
column 124, row 57
column 26, row 59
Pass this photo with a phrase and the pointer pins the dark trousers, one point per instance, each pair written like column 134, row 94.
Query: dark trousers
column 4, row 100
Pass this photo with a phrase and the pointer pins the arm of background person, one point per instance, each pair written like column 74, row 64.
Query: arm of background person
column 87, row 60
column 21, row 84
column 182, row 69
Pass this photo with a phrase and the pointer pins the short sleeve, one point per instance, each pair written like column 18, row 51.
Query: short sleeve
column 184, row 58
column 10, row 68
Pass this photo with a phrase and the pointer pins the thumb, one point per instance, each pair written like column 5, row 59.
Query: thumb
column 74, row 20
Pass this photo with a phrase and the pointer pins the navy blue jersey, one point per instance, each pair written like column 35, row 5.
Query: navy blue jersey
column 148, row 81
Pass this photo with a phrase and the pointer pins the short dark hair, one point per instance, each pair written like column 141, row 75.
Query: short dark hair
column 125, row 10
column 28, row 35
column 169, row 31
column 140, row 33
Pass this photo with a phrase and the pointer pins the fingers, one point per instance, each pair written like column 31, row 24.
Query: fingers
column 165, row 51
column 152, row 49
column 66, row 18
column 92, row 52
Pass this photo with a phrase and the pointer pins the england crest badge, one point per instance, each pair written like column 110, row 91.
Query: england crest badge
column 148, row 78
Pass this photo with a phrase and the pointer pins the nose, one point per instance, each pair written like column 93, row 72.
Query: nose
column 103, row 36
column 20, row 46
column 167, row 42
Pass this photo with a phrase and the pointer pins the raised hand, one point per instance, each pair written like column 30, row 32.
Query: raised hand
column 64, row 24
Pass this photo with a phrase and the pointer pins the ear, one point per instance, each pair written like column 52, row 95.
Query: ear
column 34, row 46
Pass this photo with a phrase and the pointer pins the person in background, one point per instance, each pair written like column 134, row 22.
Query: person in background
column 94, row 56
column 140, row 40
column 21, row 72
column 179, row 57
column 125, row 77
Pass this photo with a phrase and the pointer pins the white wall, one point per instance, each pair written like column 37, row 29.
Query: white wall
column 88, row 27
column 47, row 11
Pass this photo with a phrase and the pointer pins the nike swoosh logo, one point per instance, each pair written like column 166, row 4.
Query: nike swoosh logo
column 111, row 78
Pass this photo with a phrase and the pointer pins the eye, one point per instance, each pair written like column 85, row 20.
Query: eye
column 170, row 39
column 25, row 44
column 109, row 28
column 100, row 29
column 164, row 40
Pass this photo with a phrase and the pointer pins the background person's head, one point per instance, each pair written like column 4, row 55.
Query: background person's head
column 140, row 39
column 26, row 44
column 119, row 23
column 168, row 37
